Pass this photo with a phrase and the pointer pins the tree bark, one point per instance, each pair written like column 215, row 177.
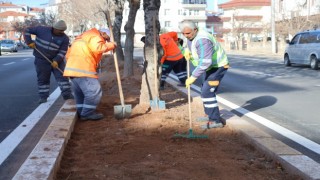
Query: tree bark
column 148, row 91
column 117, row 23
column 134, row 5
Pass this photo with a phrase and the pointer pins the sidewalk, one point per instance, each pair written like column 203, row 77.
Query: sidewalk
column 260, row 53
column 44, row 160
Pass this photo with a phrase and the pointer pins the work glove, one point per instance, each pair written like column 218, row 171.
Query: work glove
column 32, row 45
column 190, row 81
column 54, row 64
column 187, row 54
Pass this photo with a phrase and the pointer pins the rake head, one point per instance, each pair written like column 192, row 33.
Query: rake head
column 190, row 135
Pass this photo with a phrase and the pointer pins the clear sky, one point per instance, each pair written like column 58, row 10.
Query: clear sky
column 31, row 3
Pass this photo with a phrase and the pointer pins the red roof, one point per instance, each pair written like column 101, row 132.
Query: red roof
column 37, row 9
column 4, row 4
column 244, row 3
column 12, row 13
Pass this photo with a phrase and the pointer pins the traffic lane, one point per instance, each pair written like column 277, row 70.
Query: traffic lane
column 18, row 92
column 13, row 162
column 285, row 95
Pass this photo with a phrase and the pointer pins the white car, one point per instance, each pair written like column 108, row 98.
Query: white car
column 304, row 48
column 8, row 45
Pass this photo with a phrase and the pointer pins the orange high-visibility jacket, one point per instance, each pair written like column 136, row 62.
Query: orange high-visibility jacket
column 170, row 48
column 85, row 53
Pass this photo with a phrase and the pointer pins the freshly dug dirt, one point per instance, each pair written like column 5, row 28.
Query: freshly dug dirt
column 143, row 147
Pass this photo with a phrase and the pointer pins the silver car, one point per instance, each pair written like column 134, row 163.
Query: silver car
column 8, row 45
column 304, row 48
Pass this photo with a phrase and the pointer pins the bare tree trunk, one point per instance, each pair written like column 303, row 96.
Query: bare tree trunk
column 151, row 9
column 134, row 5
column 117, row 27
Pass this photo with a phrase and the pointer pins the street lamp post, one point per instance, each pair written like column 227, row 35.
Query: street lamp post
column 273, row 36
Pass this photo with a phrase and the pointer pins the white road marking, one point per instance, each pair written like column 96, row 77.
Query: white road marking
column 26, row 59
column 307, row 143
column 8, row 63
column 14, row 139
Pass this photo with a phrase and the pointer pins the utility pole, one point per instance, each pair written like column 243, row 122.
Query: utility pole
column 273, row 27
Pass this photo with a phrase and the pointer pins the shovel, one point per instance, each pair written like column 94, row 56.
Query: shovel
column 156, row 103
column 120, row 111
column 47, row 58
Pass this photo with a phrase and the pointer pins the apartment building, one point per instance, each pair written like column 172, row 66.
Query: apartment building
column 288, row 9
column 170, row 14
column 10, row 13
column 246, row 20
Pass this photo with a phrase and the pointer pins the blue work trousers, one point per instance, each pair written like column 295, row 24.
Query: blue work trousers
column 208, row 92
column 44, row 69
column 177, row 67
column 87, row 93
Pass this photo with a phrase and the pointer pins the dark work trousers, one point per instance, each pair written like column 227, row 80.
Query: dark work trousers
column 176, row 66
column 44, row 69
column 87, row 93
column 208, row 92
column 184, row 65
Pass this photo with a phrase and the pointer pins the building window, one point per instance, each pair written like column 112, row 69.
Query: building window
column 196, row 12
column 180, row 12
column 166, row 11
column 167, row 24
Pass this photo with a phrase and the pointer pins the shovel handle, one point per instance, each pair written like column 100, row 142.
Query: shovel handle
column 47, row 58
column 115, row 61
column 155, row 58
column 189, row 98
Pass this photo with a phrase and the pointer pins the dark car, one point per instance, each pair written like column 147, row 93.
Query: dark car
column 8, row 45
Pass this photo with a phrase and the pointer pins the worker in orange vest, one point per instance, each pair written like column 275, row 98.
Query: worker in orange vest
column 171, row 60
column 83, row 58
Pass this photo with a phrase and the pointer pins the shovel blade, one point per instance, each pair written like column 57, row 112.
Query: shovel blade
column 121, row 112
column 157, row 104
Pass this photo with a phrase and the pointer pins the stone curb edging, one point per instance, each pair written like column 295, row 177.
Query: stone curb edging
column 44, row 160
column 292, row 160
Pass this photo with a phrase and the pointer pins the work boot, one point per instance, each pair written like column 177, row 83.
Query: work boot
column 42, row 100
column 92, row 117
column 212, row 124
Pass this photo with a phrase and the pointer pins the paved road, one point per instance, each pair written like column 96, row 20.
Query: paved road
column 19, row 101
column 286, row 95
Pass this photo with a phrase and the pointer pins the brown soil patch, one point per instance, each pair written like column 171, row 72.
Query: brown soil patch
column 143, row 147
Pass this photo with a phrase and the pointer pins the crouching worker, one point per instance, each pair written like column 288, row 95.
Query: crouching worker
column 171, row 59
column 83, row 58
column 211, row 59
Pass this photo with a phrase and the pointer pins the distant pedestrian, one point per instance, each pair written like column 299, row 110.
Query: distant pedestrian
column 210, row 59
column 83, row 58
column 53, row 43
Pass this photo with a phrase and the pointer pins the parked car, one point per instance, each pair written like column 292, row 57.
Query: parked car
column 304, row 48
column 8, row 45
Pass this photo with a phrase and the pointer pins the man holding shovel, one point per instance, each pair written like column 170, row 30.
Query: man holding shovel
column 209, row 58
column 50, row 47
column 83, row 58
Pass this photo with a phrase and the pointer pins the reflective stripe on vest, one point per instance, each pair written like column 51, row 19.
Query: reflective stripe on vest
column 219, row 58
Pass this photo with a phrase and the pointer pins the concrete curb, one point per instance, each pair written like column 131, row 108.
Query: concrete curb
column 44, row 160
column 292, row 160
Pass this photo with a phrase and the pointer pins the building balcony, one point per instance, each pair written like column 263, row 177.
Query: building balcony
column 194, row 4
